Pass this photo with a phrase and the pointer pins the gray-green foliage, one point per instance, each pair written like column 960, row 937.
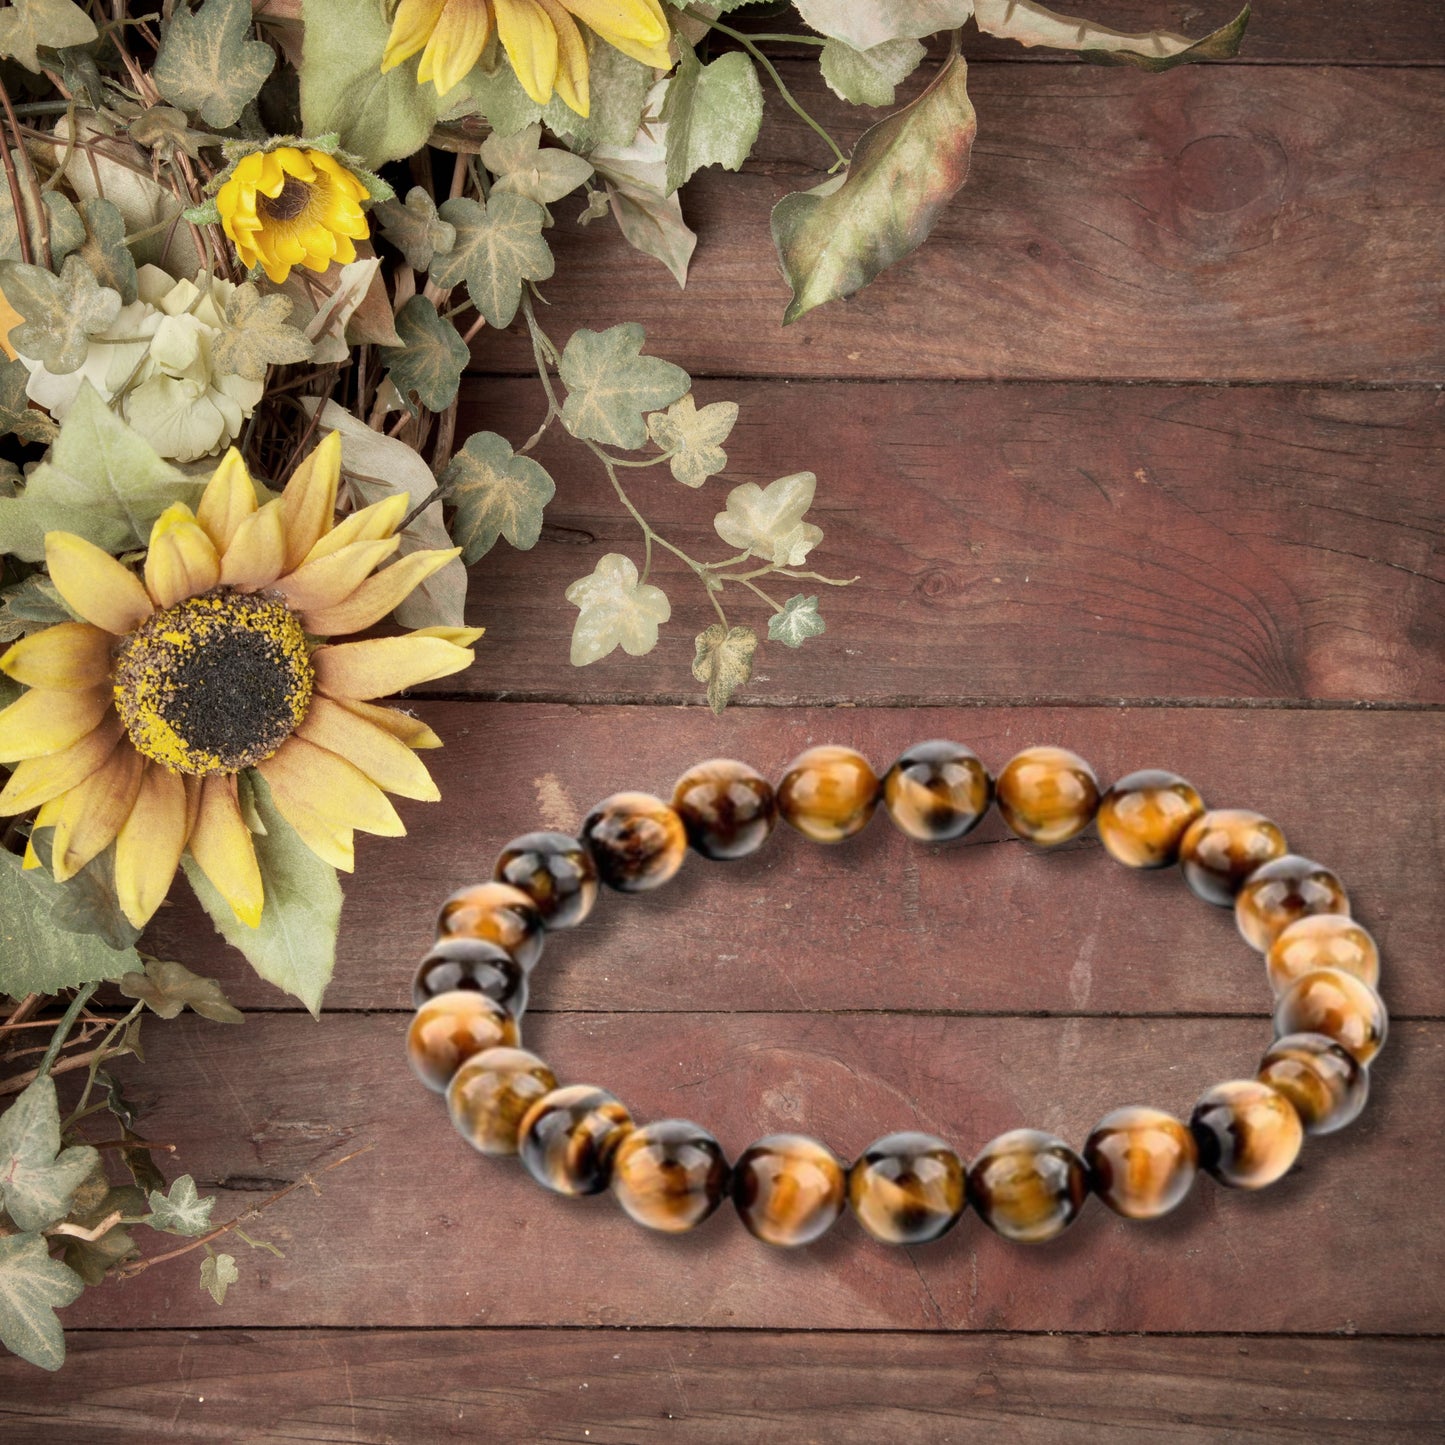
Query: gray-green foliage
column 611, row 385
column 496, row 494
column 498, row 246
column 206, row 64
column 61, row 312
column 430, row 361
column 713, row 113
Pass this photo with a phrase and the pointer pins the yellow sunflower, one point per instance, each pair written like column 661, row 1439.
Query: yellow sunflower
column 541, row 38
column 139, row 719
column 287, row 207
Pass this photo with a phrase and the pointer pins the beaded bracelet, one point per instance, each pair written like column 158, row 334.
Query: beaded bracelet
column 906, row 1188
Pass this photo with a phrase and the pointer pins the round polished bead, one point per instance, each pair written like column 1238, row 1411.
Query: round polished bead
column 1324, row 1082
column 1282, row 892
column 497, row 913
column 471, row 963
column 828, row 793
column 636, row 841
column 1323, row 940
column 937, row 791
column 1248, row 1133
column 556, row 872
column 670, row 1175
column 907, row 1188
column 1141, row 1161
column 1047, row 795
column 727, row 808
column 448, row 1029
column 491, row 1093
column 1028, row 1185
column 1337, row 1005
column 788, row 1189
column 1221, row 849
column 1143, row 818
column 568, row 1138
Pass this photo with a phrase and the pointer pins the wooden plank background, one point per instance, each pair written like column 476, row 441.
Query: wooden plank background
column 1140, row 454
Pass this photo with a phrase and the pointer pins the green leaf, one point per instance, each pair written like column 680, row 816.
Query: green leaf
column 101, row 480
column 294, row 946
column 32, row 1287
column 1154, row 50
column 207, row 65
column 498, row 97
column 37, row 1178
column 768, row 521
column 163, row 126
column 694, row 437
column 866, row 23
column 615, row 609
column 496, row 494
column 218, row 1274
column 88, row 901
column 834, row 240
column 523, row 169
column 62, row 220
column 724, row 662
column 182, row 1211
column 61, row 312
column 432, row 358
column 415, row 229
column 797, row 622
column 166, row 988
column 30, row 605
column 869, row 77
column 499, row 245
column 17, row 417
column 38, row 955
column 610, row 385
column 105, row 250
column 257, row 335
column 26, row 25
column 93, row 1259
column 712, row 113
column 619, row 95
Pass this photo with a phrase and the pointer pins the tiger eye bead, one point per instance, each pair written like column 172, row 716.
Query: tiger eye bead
column 496, row 913
column 1282, row 892
column 556, row 872
column 1323, row 940
column 1028, row 1185
column 907, row 1188
column 1047, row 795
column 568, row 1138
column 491, row 1093
column 1337, row 1005
column 470, row 963
column 1324, row 1082
column 727, row 808
column 937, row 791
column 1144, row 816
column 1248, row 1134
column 670, row 1175
column 636, row 841
column 828, row 793
column 788, row 1189
column 1221, row 849
column 1141, row 1161
column 448, row 1029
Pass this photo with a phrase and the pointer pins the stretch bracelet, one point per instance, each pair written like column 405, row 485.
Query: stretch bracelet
column 906, row 1188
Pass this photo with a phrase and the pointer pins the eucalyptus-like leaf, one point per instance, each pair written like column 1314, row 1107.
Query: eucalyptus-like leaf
column 167, row 987
column 797, row 622
column 257, row 335
column 208, row 64
column 615, row 609
column 523, row 168
column 611, row 385
column 869, row 77
column 32, row 1287
column 431, row 359
column 768, row 521
column 38, row 1179
column 415, row 229
column 181, row 1211
column 26, row 25
column 498, row 246
column 496, row 494
column 1031, row 24
column 724, row 662
column 61, row 312
column 694, row 437
column 218, row 1274
column 713, row 113
column 635, row 177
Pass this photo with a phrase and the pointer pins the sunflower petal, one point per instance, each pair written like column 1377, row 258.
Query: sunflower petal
column 89, row 816
column 331, row 842
column 309, row 501
column 222, row 848
column 401, row 725
column 335, row 791
column 40, row 722
column 457, row 40
column 94, row 584
column 331, row 580
column 530, row 40
column 369, row 524
column 639, row 20
column 389, row 763
column 69, row 657
column 461, row 636
column 149, row 846
column 383, row 665
column 378, row 595
column 573, row 84
column 38, row 780
column 229, row 498
column 181, row 561
column 257, row 552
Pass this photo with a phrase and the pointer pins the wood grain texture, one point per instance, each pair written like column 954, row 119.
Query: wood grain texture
column 1017, row 543
column 1199, row 225
column 614, row 1387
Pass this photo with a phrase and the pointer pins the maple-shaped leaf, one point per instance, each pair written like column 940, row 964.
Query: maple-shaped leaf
column 797, row 622
column 694, row 437
column 724, row 662
column 415, row 229
column 167, row 987
column 768, row 521
column 37, row 1178
column 498, row 246
column 431, row 358
column 610, row 385
column 615, row 609
column 524, row 169
column 32, row 1287
column 182, row 1211
column 26, row 25
column 496, row 494
column 62, row 223
column 17, row 416
column 207, row 64
column 218, row 1274
column 257, row 335
column 105, row 250
column 61, row 312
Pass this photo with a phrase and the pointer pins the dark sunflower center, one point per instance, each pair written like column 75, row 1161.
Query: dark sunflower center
column 294, row 198
column 214, row 684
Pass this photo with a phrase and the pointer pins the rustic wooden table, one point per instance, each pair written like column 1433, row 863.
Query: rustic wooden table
column 1139, row 455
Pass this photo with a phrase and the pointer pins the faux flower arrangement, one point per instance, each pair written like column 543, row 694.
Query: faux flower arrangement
column 233, row 354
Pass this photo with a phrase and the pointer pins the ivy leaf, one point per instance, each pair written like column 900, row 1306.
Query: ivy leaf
column 257, row 335
column 694, row 437
column 218, row 1274
column 182, row 1211
column 105, row 250
column 523, row 169
column 499, row 245
column 32, row 1287
column 166, row 988
column 67, row 230
column 712, row 113
column 88, row 901
column 496, row 494
column 615, row 608
column 768, row 521
column 432, row 356
column 835, row 239
column 28, row 24
column 724, row 662
column 610, row 385
column 207, row 65
column 797, row 622
column 38, row 1179
column 866, row 23
column 869, row 77
column 61, row 312
column 294, row 945
column 415, row 229
column 17, row 417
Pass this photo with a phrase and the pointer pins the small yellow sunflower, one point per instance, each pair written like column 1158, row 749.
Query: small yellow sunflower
column 288, row 207
column 541, row 38
column 139, row 719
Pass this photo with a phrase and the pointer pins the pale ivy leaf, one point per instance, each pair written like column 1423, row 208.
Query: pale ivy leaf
column 88, row 902
column 523, row 168
column 866, row 23
column 610, row 385
column 1031, row 24
column 724, row 662
column 713, row 113
column 430, row 360
column 17, row 417
column 869, row 77
column 182, row 1211
column 62, row 222
column 32, row 1287
column 218, row 1274
column 415, row 229
column 38, row 1178
column 694, row 437
column 105, row 250
column 768, row 521
column 496, row 494
column 61, row 312
column 797, row 622
column 257, row 335
column 615, row 609
column 167, row 987
column 25, row 25
column 499, row 245
column 207, row 64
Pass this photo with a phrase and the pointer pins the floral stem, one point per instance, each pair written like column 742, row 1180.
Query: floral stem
column 758, row 591
column 62, row 1029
